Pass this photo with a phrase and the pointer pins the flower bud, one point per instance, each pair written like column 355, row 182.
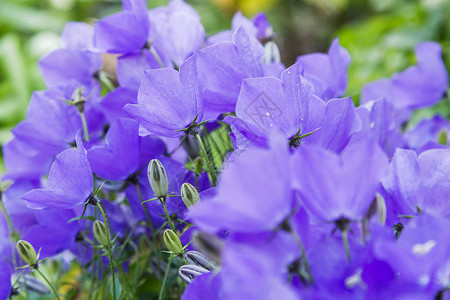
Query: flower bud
column 101, row 233
column 173, row 242
column 27, row 253
column 198, row 165
column 157, row 177
column 199, row 259
column 208, row 244
column 188, row 272
column 271, row 53
column 189, row 194
column 442, row 139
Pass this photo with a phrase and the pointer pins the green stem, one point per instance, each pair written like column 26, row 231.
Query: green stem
column 48, row 282
column 345, row 240
column 11, row 232
column 163, row 201
column 110, row 255
column 85, row 128
column 150, row 224
column 302, row 250
column 206, row 158
column 157, row 57
column 163, row 287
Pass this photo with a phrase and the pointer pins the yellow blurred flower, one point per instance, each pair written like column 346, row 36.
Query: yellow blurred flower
column 248, row 7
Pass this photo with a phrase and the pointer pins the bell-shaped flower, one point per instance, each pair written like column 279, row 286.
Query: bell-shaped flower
column 418, row 86
column 420, row 182
column 69, row 184
column 168, row 100
column 327, row 72
column 333, row 186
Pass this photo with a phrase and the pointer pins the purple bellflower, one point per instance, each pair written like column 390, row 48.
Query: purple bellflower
column 69, row 184
column 418, row 86
column 333, row 186
column 420, row 182
column 248, row 196
column 176, row 31
column 168, row 101
column 268, row 103
column 221, row 69
column 327, row 72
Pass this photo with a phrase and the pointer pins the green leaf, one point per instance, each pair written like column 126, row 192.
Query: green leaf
column 118, row 289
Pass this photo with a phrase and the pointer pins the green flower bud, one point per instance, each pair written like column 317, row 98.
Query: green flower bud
column 101, row 233
column 442, row 139
column 198, row 165
column 189, row 194
column 27, row 253
column 157, row 177
column 173, row 242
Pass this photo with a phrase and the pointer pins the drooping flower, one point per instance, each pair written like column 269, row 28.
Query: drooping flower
column 223, row 66
column 69, row 184
column 331, row 186
column 253, row 195
column 418, row 86
column 168, row 100
column 327, row 72
column 420, row 182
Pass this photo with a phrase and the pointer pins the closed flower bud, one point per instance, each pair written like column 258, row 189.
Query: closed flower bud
column 189, row 194
column 173, row 242
column 442, row 139
column 201, row 260
column 101, row 233
column 27, row 253
column 157, row 177
column 198, row 165
column 188, row 272
column 271, row 53
column 208, row 244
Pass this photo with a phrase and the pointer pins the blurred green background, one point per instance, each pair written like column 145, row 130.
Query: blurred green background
column 379, row 34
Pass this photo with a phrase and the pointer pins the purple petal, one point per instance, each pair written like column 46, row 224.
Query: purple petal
column 62, row 66
column 330, row 186
column 164, row 107
column 248, row 197
column 119, row 158
column 78, row 36
column 131, row 67
column 340, row 122
column 327, row 72
column 69, row 183
column 123, row 32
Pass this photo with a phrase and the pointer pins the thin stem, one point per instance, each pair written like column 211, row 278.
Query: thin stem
column 163, row 201
column 11, row 232
column 206, row 158
column 150, row 224
column 163, row 287
column 157, row 57
column 302, row 250
column 111, row 260
column 85, row 128
column 196, row 181
column 48, row 282
column 345, row 240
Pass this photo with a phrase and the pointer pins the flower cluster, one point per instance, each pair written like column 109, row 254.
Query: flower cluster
column 206, row 158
